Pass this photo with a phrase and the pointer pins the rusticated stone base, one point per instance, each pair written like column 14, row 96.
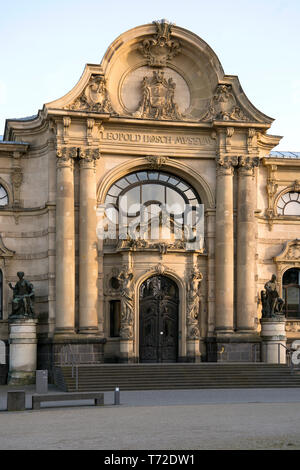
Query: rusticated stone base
column 231, row 349
column 68, row 349
column 21, row 378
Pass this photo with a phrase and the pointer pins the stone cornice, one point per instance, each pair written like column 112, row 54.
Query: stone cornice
column 286, row 162
column 7, row 146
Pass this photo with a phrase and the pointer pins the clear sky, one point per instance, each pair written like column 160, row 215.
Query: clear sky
column 46, row 43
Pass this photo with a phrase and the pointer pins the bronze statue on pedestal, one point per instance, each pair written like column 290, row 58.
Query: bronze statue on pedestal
column 23, row 297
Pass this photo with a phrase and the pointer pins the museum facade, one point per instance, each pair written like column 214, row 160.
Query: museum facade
column 148, row 210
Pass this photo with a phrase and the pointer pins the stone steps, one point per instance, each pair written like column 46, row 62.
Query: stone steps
column 105, row 377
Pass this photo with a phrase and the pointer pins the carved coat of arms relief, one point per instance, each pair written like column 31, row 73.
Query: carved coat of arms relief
column 158, row 98
column 158, row 92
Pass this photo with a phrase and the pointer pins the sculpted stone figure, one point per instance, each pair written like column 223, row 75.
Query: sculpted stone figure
column 126, row 278
column 23, row 297
column 272, row 304
column 193, row 301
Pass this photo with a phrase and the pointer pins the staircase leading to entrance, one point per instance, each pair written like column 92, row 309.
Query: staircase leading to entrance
column 106, row 377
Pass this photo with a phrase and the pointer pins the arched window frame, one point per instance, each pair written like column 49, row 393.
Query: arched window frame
column 285, row 287
column 295, row 188
column 150, row 179
column 8, row 195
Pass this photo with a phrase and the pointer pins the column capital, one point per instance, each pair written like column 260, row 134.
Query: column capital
column 225, row 165
column 88, row 157
column 247, row 164
column 65, row 156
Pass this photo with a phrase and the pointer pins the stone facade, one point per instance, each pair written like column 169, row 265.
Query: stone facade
column 161, row 102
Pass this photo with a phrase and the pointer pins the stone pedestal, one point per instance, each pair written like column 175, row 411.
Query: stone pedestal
column 22, row 351
column 273, row 340
column 126, row 351
column 193, row 350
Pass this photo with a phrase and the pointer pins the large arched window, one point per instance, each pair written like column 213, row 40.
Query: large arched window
column 152, row 190
column 152, row 205
column 3, row 196
column 289, row 204
column 291, row 292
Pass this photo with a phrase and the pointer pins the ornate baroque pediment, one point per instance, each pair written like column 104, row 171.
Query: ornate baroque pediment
column 224, row 107
column 290, row 253
column 161, row 48
column 94, row 97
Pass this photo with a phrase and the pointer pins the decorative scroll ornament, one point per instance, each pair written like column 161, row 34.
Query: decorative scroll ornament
column 290, row 255
column 293, row 251
column 94, row 97
column 160, row 49
column 17, row 180
column 223, row 106
column 193, row 304
column 158, row 98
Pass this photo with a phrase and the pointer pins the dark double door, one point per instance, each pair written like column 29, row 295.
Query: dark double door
column 158, row 320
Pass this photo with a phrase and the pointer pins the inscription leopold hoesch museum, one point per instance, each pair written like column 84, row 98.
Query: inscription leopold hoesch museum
column 150, row 144
column 141, row 138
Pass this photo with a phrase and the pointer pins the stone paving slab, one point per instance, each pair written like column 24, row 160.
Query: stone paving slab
column 173, row 427
column 171, row 397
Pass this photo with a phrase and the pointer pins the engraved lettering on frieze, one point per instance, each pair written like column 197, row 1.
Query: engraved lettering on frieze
column 223, row 106
column 158, row 98
column 94, row 97
column 161, row 48
column 154, row 139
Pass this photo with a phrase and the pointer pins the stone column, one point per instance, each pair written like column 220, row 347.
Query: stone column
column 88, row 262
column 65, row 242
column 224, row 248
column 246, row 243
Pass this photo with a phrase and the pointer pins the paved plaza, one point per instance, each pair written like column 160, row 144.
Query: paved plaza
column 173, row 420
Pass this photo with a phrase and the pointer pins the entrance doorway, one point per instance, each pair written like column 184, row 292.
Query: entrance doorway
column 159, row 301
